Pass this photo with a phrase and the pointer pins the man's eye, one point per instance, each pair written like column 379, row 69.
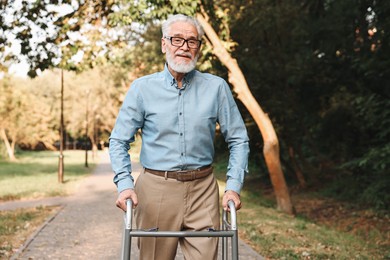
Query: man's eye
column 177, row 40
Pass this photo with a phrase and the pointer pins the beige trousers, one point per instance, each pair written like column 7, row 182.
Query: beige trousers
column 171, row 205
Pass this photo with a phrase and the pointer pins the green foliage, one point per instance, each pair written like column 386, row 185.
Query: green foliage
column 144, row 56
column 56, row 34
column 320, row 70
column 369, row 156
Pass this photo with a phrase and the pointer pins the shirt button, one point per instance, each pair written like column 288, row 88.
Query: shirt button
column 180, row 113
column 181, row 133
column 182, row 154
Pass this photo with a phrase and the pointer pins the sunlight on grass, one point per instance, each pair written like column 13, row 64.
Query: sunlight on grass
column 280, row 236
column 34, row 175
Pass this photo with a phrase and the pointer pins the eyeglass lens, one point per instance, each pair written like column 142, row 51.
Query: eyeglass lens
column 178, row 42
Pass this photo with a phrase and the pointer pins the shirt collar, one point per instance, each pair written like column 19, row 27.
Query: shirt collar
column 187, row 78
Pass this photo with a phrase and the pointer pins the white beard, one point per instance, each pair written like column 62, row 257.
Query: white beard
column 182, row 67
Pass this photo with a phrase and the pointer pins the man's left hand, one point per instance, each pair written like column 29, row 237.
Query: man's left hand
column 231, row 195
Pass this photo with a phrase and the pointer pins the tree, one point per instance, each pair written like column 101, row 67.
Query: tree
column 48, row 34
column 104, row 95
column 320, row 69
column 11, row 112
column 241, row 88
column 26, row 112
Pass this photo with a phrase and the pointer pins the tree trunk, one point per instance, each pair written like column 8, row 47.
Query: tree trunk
column 271, row 143
column 10, row 151
column 297, row 169
column 94, row 145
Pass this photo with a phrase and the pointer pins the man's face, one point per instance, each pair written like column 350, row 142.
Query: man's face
column 181, row 59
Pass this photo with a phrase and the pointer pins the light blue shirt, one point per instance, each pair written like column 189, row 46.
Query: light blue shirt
column 178, row 126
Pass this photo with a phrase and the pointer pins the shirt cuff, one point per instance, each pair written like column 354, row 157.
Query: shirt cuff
column 234, row 185
column 125, row 184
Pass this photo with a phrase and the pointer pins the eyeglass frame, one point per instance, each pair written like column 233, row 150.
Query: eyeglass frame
column 184, row 41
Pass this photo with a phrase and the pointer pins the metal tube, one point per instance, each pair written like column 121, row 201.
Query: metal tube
column 235, row 245
column 224, row 238
column 126, row 252
column 233, row 215
column 129, row 214
column 233, row 227
column 229, row 230
column 142, row 233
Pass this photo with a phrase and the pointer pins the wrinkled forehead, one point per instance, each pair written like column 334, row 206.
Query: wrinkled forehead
column 183, row 29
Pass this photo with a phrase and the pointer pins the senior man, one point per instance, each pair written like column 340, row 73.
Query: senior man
column 177, row 110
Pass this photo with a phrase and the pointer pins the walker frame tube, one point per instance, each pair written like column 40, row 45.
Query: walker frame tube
column 229, row 230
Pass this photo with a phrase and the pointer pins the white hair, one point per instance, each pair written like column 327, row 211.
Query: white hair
column 182, row 18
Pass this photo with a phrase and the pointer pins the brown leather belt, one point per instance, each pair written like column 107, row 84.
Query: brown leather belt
column 184, row 175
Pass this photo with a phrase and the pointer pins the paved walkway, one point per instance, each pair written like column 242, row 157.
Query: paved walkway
column 89, row 226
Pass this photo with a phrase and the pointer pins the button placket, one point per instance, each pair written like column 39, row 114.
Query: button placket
column 181, row 127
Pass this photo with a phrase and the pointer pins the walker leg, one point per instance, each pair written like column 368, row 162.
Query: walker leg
column 126, row 245
column 235, row 246
column 223, row 248
column 223, row 239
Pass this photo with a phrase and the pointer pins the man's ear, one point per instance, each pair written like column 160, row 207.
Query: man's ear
column 163, row 46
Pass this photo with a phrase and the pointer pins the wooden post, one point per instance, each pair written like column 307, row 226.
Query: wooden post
column 61, row 156
column 86, row 130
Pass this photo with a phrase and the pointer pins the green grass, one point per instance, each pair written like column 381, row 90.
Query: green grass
column 276, row 235
column 34, row 175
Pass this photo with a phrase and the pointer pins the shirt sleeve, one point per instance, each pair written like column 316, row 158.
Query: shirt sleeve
column 129, row 120
column 234, row 131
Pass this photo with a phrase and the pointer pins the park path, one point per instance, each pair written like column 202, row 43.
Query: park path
column 88, row 226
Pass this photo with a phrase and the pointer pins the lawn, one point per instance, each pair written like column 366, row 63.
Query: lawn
column 276, row 235
column 34, row 175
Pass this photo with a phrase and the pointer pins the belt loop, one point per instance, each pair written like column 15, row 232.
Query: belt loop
column 166, row 175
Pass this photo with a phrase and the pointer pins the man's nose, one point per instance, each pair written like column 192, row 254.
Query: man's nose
column 185, row 46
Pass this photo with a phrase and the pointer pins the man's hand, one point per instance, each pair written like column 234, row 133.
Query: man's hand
column 231, row 195
column 125, row 195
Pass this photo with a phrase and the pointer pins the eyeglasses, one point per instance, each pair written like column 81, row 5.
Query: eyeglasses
column 178, row 42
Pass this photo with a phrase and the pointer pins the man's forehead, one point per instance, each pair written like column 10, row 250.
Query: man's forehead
column 183, row 28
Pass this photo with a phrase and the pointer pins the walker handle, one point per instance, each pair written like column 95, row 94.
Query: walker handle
column 129, row 214
column 233, row 216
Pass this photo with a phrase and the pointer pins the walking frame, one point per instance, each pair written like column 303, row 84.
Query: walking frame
column 229, row 230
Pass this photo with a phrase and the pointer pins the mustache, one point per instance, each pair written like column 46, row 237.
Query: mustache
column 185, row 54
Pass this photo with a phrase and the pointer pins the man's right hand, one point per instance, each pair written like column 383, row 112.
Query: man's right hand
column 125, row 195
